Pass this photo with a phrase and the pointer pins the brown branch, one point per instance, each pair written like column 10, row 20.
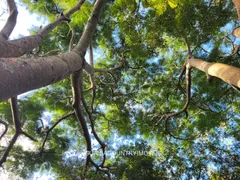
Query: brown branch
column 52, row 52
column 184, row 109
column 188, row 47
column 77, row 78
column 91, row 76
column 60, row 19
column 91, row 54
column 90, row 28
column 6, row 128
column 17, row 127
column 235, row 48
column 21, row 46
column 92, row 124
column 54, row 125
column 72, row 38
column 76, row 81
column 29, row 136
column 11, row 21
column 100, row 169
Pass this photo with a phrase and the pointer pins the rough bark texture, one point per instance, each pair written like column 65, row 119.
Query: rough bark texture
column 19, row 47
column 227, row 73
column 21, row 75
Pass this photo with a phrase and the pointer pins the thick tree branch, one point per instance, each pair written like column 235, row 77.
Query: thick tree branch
column 19, row 47
column 227, row 73
column 90, row 28
column 11, row 21
column 19, row 75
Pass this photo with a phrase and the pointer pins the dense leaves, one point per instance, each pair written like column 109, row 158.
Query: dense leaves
column 151, row 36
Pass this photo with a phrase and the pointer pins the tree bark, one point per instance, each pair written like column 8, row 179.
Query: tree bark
column 21, row 75
column 237, row 6
column 21, row 46
column 227, row 73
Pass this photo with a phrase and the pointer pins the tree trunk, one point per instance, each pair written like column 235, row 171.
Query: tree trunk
column 227, row 73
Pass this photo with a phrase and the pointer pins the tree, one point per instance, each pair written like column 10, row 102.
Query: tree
column 133, row 88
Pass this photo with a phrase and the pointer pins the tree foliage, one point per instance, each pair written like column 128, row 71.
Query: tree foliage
column 138, row 49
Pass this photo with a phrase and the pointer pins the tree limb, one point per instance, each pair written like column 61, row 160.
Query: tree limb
column 11, row 21
column 184, row 109
column 90, row 28
column 5, row 130
column 17, row 127
column 19, row 47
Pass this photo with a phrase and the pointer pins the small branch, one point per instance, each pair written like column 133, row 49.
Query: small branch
column 8, row 149
column 100, row 169
column 61, row 19
column 54, row 125
column 6, row 128
column 17, row 125
column 15, row 114
column 29, row 136
column 184, row 109
column 235, row 48
column 188, row 47
column 52, row 52
column 118, row 67
column 92, row 123
column 72, row 38
column 91, row 54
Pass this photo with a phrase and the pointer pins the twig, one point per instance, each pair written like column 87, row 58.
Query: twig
column 54, row 125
